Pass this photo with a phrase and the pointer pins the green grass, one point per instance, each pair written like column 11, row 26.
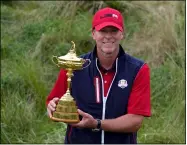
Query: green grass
column 168, row 105
column 32, row 32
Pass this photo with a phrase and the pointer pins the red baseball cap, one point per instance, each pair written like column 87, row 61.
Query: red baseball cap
column 107, row 17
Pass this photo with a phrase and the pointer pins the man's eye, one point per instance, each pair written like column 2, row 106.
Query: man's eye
column 114, row 30
column 102, row 30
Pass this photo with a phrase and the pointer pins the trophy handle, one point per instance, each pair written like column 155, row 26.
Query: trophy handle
column 54, row 60
column 88, row 64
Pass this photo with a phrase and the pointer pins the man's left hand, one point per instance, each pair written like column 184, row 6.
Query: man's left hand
column 87, row 121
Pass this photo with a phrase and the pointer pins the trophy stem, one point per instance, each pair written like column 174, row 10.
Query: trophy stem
column 69, row 75
column 67, row 96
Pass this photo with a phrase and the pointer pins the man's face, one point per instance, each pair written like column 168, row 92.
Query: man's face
column 107, row 40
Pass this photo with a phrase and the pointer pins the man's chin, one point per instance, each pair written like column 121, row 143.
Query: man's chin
column 108, row 50
column 108, row 54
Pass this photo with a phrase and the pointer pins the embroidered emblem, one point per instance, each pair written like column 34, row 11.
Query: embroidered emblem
column 115, row 16
column 109, row 15
column 122, row 84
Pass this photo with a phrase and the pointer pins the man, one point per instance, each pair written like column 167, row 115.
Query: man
column 112, row 94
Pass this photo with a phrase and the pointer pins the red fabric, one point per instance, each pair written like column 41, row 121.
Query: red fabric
column 107, row 80
column 60, row 86
column 139, row 101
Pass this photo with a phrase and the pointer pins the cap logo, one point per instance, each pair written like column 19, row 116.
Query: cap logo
column 114, row 15
column 109, row 15
column 122, row 84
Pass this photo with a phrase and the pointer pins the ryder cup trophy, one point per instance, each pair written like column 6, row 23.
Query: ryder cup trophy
column 66, row 109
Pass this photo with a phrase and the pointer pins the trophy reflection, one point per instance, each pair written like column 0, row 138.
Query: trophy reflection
column 66, row 109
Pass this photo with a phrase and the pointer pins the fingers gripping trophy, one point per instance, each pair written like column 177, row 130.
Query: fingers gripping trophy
column 66, row 109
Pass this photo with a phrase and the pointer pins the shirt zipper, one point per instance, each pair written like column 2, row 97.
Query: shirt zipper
column 105, row 98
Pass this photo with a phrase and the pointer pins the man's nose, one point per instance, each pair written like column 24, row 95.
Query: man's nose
column 108, row 34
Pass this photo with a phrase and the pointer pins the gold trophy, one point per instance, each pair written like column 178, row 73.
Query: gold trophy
column 66, row 109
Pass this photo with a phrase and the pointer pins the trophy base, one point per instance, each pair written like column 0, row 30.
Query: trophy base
column 65, row 117
column 66, row 110
column 65, row 120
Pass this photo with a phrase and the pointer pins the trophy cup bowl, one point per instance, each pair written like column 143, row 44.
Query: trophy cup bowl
column 66, row 109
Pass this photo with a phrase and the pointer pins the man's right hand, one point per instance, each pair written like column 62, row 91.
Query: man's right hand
column 52, row 106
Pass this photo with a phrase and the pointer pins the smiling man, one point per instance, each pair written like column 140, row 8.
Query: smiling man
column 112, row 94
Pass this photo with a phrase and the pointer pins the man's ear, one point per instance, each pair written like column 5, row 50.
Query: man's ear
column 93, row 34
column 123, row 35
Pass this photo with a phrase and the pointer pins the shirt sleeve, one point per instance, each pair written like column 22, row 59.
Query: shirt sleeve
column 59, row 87
column 139, row 101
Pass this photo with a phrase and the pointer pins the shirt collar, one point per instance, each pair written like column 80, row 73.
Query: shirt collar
column 102, row 69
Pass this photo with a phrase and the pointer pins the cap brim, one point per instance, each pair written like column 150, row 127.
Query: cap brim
column 102, row 25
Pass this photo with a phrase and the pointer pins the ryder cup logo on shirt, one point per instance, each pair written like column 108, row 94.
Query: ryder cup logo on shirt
column 122, row 84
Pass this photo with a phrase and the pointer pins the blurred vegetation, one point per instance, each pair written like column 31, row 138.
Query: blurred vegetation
column 33, row 31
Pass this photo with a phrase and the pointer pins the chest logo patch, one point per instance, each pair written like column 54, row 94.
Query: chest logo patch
column 122, row 83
